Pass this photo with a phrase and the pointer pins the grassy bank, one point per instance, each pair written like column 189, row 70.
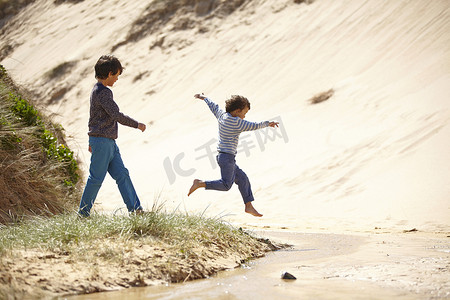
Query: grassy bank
column 64, row 254
column 39, row 173
column 66, row 232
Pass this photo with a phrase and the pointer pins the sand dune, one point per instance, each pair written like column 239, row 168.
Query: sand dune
column 375, row 154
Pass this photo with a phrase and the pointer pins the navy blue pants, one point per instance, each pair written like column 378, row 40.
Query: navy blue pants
column 230, row 174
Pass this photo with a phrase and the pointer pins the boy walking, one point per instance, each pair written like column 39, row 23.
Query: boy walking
column 231, row 124
column 103, row 131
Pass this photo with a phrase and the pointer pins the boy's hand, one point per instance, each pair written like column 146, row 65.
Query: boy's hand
column 142, row 127
column 200, row 96
column 273, row 124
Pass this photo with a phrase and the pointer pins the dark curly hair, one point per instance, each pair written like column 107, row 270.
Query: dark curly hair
column 107, row 64
column 236, row 102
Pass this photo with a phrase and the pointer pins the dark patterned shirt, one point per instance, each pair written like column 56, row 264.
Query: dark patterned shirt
column 105, row 113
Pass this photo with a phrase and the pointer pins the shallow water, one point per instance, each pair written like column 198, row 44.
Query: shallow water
column 261, row 278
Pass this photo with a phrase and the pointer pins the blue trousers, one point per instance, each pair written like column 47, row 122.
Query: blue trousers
column 230, row 174
column 106, row 158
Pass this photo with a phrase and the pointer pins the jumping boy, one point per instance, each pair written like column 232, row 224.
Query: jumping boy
column 231, row 124
column 103, row 130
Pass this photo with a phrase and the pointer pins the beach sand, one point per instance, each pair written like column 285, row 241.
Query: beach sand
column 372, row 157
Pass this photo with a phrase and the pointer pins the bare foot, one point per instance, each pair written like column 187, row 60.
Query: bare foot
column 195, row 185
column 251, row 210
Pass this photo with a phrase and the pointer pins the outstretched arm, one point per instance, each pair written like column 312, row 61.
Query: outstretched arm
column 110, row 106
column 215, row 109
column 112, row 109
column 244, row 125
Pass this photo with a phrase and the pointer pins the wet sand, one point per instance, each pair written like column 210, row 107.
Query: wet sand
column 327, row 266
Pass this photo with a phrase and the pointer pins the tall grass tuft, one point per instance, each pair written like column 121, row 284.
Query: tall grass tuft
column 39, row 173
column 67, row 233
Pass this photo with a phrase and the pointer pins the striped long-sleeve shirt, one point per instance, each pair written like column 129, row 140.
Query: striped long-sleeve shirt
column 105, row 113
column 230, row 128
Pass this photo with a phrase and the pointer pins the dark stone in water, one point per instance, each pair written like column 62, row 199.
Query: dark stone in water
column 287, row 275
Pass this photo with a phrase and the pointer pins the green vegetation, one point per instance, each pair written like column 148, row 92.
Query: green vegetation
column 64, row 254
column 25, row 113
column 67, row 233
column 39, row 172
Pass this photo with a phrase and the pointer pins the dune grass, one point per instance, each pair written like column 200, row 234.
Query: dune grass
column 105, row 252
column 68, row 233
column 39, row 173
column 321, row 97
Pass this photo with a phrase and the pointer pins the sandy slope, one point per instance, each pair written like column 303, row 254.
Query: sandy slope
column 376, row 154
